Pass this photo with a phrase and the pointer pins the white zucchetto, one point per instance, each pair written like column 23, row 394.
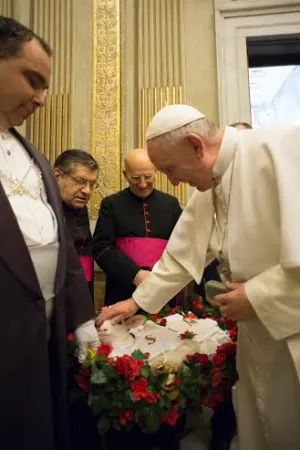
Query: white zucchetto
column 171, row 118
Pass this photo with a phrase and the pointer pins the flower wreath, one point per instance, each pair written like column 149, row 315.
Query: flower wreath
column 124, row 393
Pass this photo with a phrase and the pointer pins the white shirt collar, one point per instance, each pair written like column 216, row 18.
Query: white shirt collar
column 227, row 150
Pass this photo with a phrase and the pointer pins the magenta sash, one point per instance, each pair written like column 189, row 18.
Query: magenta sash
column 144, row 251
column 87, row 263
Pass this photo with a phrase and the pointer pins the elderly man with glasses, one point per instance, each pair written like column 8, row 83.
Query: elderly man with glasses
column 77, row 172
column 133, row 228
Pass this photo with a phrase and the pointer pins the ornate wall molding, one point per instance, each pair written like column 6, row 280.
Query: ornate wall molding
column 106, row 134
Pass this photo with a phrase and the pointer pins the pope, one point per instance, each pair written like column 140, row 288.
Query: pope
column 244, row 213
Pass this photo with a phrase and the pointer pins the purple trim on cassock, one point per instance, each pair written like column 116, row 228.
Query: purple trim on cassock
column 144, row 251
column 87, row 263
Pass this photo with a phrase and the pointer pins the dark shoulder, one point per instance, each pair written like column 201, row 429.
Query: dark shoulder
column 167, row 198
column 115, row 198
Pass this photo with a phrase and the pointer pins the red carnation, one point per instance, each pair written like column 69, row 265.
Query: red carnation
column 229, row 348
column 217, row 376
column 127, row 367
column 126, row 416
column 219, row 359
column 139, row 388
column 170, row 418
column 104, row 349
column 163, row 322
column 200, row 358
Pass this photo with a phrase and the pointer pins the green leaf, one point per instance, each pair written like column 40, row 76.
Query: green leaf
column 152, row 422
column 138, row 355
column 145, row 371
column 98, row 378
column 100, row 403
column 109, row 371
column 103, row 424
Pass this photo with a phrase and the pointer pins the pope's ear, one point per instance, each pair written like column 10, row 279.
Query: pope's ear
column 197, row 143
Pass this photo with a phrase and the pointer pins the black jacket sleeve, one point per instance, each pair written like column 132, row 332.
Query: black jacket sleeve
column 177, row 210
column 79, row 302
column 112, row 261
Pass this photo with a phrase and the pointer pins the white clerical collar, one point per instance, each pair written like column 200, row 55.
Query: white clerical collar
column 226, row 153
column 4, row 134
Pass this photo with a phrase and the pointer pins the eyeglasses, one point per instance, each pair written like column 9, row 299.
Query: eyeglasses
column 82, row 182
column 139, row 178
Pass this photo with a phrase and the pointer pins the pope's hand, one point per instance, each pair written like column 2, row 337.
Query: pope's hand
column 235, row 304
column 87, row 336
column 119, row 311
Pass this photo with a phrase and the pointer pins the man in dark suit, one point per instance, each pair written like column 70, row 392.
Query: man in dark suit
column 42, row 287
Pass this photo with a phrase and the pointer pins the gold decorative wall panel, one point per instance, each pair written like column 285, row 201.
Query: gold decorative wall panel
column 6, row 8
column 50, row 127
column 106, row 142
column 151, row 100
column 160, row 68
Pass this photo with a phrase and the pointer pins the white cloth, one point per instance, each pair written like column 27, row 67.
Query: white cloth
column 35, row 217
column 263, row 243
column 171, row 118
column 207, row 337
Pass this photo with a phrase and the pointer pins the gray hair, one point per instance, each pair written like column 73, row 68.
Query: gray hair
column 70, row 158
column 12, row 37
column 202, row 127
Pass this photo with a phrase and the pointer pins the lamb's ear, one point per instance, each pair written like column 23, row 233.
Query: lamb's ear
column 135, row 321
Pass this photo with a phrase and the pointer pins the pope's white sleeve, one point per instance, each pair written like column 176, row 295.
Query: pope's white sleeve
column 275, row 297
column 167, row 278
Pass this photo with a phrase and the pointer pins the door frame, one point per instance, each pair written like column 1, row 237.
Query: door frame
column 235, row 20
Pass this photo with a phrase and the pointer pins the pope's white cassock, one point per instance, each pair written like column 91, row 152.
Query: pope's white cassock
column 257, row 188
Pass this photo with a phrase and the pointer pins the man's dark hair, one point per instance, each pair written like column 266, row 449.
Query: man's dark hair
column 67, row 160
column 12, row 37
column 244, row 124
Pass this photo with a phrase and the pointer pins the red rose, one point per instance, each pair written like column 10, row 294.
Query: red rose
column 104, row 349
column 190, row 316
column 163, row 322
column 219, row 359
column 139, row 388
column 152, row 398
column 200, row 358
column 229, row 348
column 170, row 418
column 155, row 317
column 197, row 304
column 211, row 401
column 126, row 416
column 71, row 337
column 127, row 367
column 174, row 310
column 187, row 335
column 233, row 333
column 230, row 324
